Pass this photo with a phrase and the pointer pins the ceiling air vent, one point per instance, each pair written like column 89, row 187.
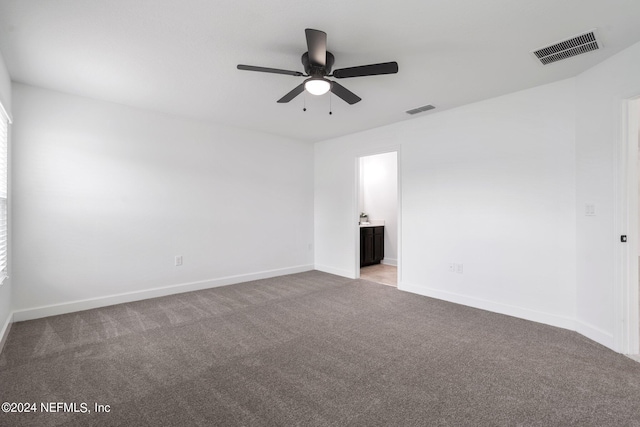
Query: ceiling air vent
column 421, row 109
column 577, row 45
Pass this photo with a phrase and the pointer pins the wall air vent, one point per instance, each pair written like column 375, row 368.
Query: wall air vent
column 577, row 45
column 421, row 109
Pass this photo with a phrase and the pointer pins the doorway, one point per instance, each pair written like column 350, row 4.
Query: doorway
column 378, row 213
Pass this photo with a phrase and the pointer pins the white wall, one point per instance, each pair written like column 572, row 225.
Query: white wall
column 5, row 288
column 106, row 195
column 600, row 94
column 489, row 185
column 379, row 188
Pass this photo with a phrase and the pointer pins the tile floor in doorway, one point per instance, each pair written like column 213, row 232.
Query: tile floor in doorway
column 380, row 273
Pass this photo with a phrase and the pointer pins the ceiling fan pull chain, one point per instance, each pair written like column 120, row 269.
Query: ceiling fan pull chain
column 330, row 97
column 304, row 103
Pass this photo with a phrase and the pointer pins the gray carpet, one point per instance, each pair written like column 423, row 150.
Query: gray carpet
column 312, row 349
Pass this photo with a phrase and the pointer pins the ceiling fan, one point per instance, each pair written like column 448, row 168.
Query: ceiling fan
column 317, row 62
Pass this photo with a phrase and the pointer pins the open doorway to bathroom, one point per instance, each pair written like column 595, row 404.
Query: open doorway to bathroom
column 378, row 218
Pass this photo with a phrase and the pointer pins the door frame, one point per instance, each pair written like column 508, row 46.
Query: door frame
column 355, row 211
column 626, row 280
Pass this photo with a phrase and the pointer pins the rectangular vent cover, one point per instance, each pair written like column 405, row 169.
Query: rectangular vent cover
column 577, row 45
column 421, row 109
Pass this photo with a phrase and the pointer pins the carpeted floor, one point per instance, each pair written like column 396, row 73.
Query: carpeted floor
column 312, row 349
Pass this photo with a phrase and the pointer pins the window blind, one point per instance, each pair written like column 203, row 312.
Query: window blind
column 4, row 137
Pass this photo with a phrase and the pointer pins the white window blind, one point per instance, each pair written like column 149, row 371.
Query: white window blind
column 4, row 137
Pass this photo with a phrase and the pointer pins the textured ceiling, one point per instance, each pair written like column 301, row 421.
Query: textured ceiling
column 180, row 57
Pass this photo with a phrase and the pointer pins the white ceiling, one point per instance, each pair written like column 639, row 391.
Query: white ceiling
column 180, row 57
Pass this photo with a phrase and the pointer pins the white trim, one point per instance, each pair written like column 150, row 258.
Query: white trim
column 5, row 113
column 390, row 261
column 619, row 225
column 4, row 332
column 495, row 307
column 87, row 304
column 595, row 334
column 337, row 271
column 356, row 214
column 399, row 219
column 626, row 327
column 630, row 296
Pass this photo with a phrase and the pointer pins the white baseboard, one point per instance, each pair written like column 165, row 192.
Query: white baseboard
column 87, row 304
column 4, row 332
column 595, row 334
column 390, row 261
column 495, row 307
column 336, row 271
column 635, row 357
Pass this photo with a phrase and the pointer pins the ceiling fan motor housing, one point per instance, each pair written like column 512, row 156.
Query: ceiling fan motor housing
column 317, row 69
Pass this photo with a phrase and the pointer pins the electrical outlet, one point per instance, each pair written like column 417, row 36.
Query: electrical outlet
column 590, row 209
column 452, row 268
column 178, row 260
column 459, row 268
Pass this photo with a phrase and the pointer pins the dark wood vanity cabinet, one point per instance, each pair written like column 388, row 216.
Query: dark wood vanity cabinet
column 371, row 245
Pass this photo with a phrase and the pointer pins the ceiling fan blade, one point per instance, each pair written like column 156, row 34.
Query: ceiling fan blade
column 367, row 70
column 317, row 46
column 269, row 70
column 295, row 92
column 344, row 93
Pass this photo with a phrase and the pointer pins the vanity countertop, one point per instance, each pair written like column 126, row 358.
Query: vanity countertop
column 372, row 223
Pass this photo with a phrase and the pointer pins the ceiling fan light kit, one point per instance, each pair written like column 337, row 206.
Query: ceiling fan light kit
column 317, row 63
column 317, row 86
